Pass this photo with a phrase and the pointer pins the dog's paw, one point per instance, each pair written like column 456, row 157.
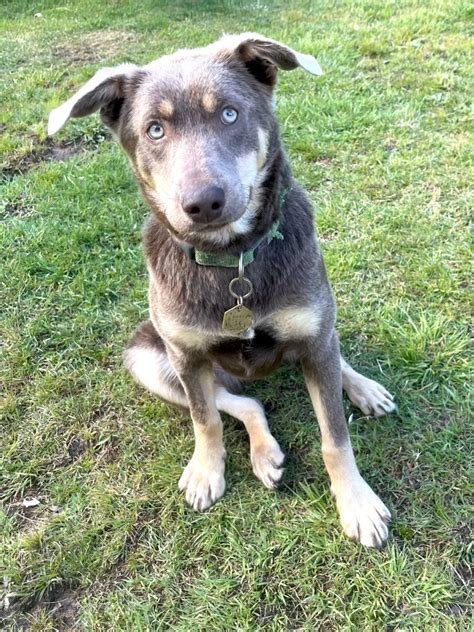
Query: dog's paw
column 370, row 396
column 363, row 515
column 203, row 482
column 267, row 460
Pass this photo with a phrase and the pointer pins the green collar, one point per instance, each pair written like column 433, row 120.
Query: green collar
column 204, row 258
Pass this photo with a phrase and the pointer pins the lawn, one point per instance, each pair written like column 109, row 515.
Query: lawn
column 382, row 144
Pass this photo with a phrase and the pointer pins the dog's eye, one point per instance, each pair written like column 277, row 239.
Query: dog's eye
column 229, row 116
column 155, row 131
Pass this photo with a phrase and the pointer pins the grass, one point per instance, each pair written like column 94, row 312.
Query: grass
column 382, row 142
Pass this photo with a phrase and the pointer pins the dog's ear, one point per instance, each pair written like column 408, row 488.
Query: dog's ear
column 106, row 90
column 263, row 56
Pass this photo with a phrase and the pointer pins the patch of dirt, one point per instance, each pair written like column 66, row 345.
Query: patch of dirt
column 102, row 410
column 323, row 162
column 74, row 451
column 463, row 575
column 109, row 454
column 76, row 447
column 60, row 604
column 390, row 146
column 16, row 505
column 30, row 519
column 91, row 47
column 17, row 209
column 62, row 608
column 116, row 575
column 407, row 468
column 463, row 533
column 457, row 610
column 50, row 150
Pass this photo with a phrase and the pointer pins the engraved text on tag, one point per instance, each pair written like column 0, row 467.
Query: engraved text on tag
column 237, row 320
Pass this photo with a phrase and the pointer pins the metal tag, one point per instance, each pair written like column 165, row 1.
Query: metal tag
column 237, row 320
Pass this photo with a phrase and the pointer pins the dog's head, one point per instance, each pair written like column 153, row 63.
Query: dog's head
column 197, row 126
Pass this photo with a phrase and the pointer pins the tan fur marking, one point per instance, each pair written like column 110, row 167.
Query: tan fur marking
column 165, row 108
column 203, row 478
column 148, row 180
column 142, row 174
column 247, row 168
column 296, row 322
column 262, row 148
column 181, row 335
column 209, row 102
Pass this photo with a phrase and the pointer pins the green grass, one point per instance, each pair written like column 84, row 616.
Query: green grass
column 383, row 144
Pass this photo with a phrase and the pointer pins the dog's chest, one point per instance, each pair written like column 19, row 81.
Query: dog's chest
column 253, row 357
column 279, row 327
column 188, row 308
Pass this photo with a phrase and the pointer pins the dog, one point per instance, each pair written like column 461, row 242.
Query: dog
column 237, row 282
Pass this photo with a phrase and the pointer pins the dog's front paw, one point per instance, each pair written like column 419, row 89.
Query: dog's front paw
column 370, row 396
column 363, row 515
column 267, row 460
column 203, row 482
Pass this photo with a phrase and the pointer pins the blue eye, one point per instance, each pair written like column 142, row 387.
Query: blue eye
column 155, row 131
column 229, row 116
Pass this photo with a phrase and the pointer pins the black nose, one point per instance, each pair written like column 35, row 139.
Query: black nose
column 204, row 205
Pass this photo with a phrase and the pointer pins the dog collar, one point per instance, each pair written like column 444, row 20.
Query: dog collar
column 204, row 258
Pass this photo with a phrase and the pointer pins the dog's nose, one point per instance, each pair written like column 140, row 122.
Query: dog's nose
column 204, row 205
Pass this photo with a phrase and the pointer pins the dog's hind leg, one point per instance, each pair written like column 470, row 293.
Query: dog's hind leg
column 368, row 395
column 147, row 360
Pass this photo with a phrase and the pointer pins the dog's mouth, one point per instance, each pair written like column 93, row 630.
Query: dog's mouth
column 229, row 218
column 217, row 225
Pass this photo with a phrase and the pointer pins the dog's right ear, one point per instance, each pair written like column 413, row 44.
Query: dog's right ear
column 106, row 90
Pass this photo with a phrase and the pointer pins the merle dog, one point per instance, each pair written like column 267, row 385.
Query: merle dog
column 237, row 280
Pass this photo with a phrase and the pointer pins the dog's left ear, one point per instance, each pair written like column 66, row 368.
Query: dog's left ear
column 263, row 56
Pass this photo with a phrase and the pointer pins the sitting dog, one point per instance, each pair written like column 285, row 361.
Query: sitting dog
column 237, row 280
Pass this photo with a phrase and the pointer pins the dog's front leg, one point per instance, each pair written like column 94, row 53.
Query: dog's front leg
column 363, row 515
column 203, row 478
